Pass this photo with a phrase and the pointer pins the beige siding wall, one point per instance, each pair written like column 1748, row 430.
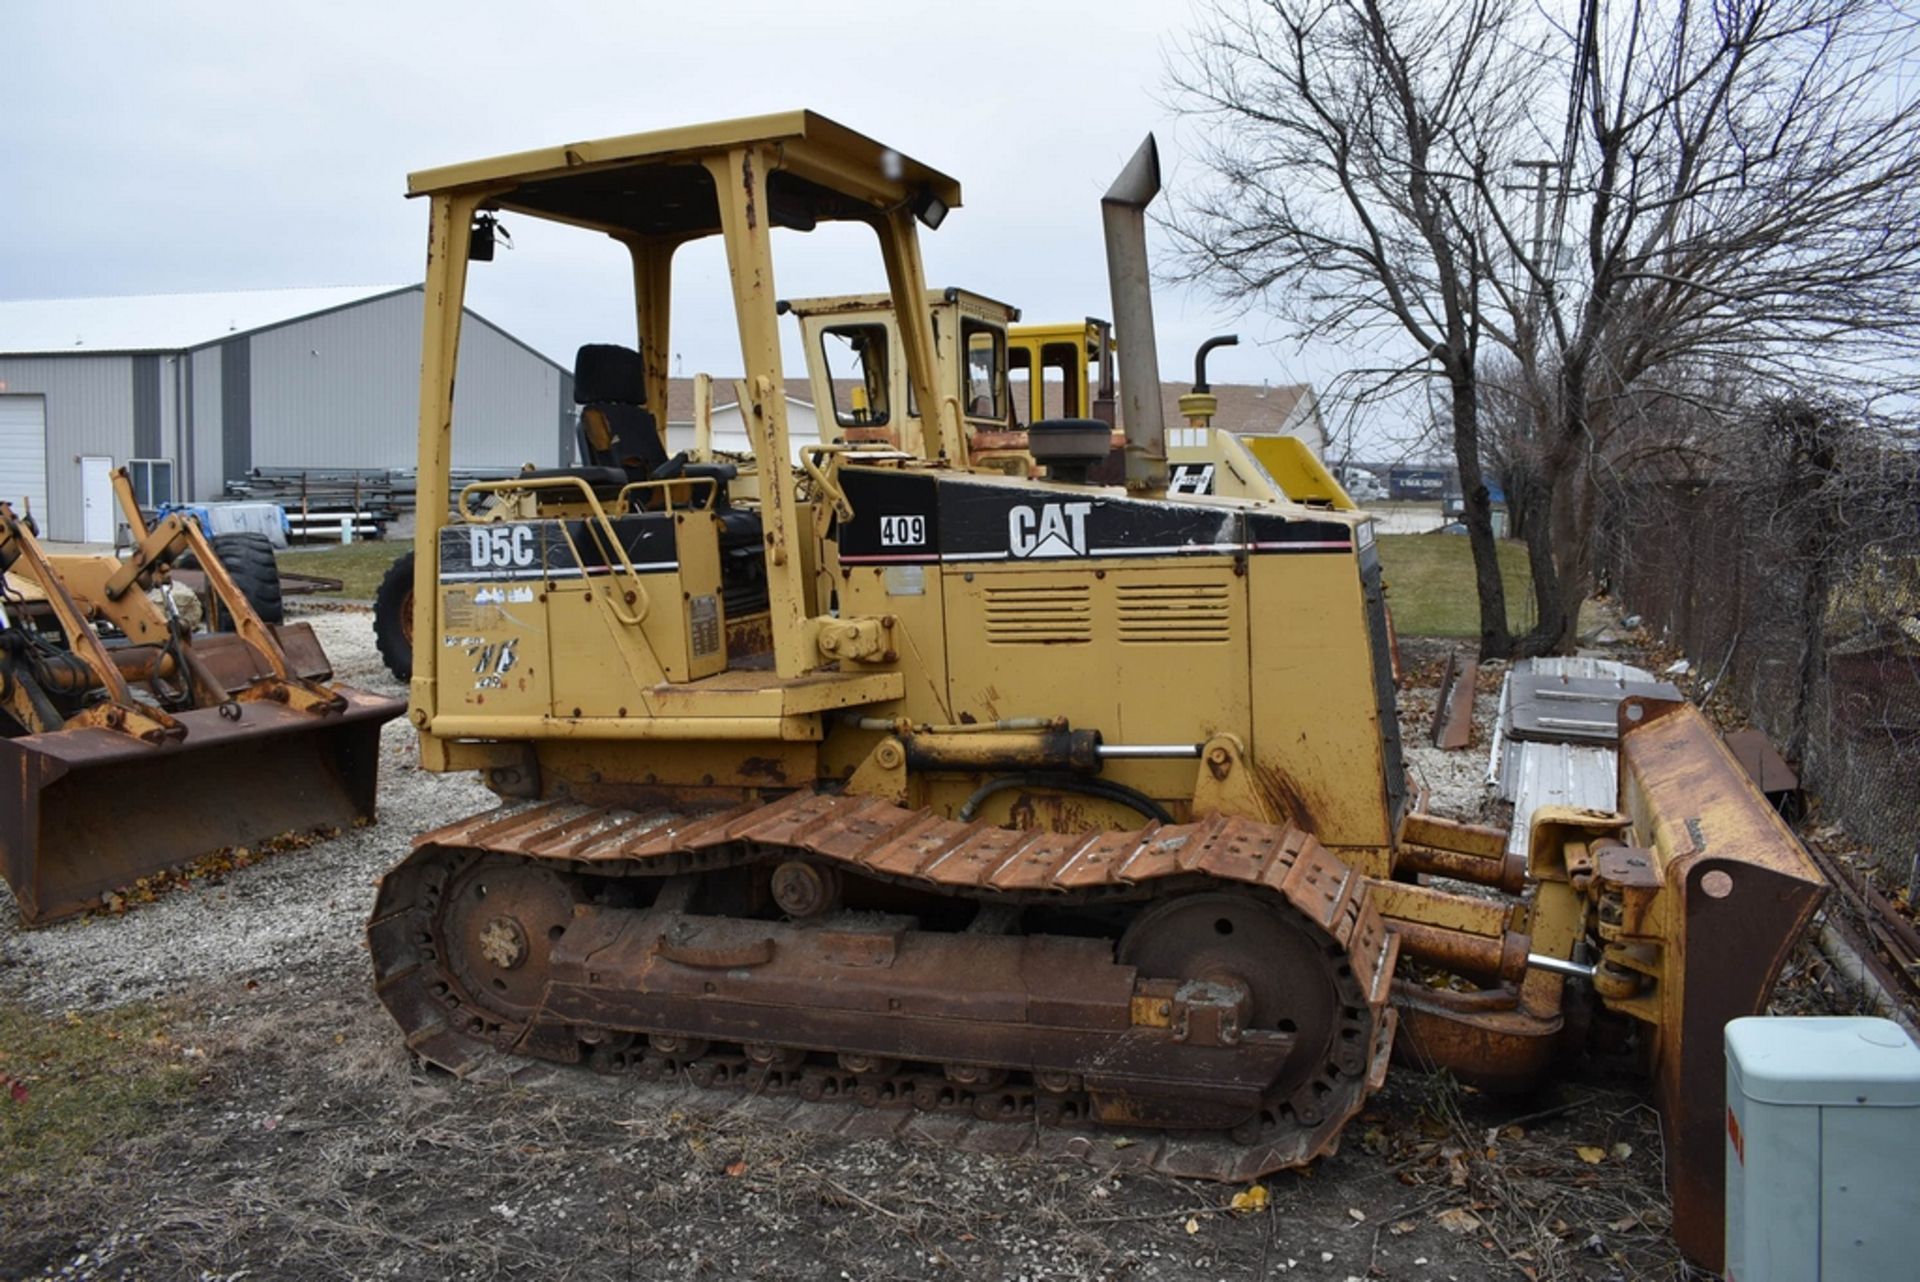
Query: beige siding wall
column 89, row 411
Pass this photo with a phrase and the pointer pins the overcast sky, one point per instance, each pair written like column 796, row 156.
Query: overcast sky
column 211, row 146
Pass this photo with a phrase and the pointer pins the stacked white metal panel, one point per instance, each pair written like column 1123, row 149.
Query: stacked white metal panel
column 1533, row 774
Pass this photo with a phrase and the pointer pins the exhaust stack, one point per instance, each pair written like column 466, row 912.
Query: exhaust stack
column 1123, row 214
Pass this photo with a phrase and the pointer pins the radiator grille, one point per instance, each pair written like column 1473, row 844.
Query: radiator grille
column 1052, row 614
column 1175, row 614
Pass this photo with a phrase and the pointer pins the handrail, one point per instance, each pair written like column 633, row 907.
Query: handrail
column 666, row 487
column 829, row 485
column 600, row 514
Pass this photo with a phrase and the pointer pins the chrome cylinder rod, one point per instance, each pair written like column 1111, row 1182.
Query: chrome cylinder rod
column 1559, row 966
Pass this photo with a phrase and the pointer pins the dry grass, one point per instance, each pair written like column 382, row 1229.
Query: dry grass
column 73, row 1083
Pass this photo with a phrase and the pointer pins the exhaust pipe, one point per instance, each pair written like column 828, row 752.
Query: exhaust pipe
column 1123, row 214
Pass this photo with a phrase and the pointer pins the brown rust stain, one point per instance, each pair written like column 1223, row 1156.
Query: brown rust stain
column 1286, row 796
column 749, row 635
column 771, row 769
column 746, row 182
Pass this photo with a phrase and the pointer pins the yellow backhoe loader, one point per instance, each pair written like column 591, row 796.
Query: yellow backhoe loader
column 132, row 743
column 909, row 780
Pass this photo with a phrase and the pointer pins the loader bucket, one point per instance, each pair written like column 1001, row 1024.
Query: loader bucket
column 90, row 810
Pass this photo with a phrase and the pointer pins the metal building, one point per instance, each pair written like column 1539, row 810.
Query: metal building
column 195, row 389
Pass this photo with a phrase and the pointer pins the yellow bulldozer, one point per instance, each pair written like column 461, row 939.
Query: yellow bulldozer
column 904, row 778
column 133, row 741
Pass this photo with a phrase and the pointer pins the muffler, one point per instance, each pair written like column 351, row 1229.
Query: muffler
column 1123, row 215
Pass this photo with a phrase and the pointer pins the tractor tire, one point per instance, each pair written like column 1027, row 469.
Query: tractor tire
column 393, row 617
column 248, row 559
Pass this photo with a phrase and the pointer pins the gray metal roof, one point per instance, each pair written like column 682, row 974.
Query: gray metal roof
column 164, row 322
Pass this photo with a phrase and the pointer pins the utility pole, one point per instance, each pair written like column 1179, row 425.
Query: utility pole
column 1540, row 170
column 1540, row 267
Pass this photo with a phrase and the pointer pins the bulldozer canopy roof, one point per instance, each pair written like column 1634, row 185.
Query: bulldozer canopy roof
column 657, row 184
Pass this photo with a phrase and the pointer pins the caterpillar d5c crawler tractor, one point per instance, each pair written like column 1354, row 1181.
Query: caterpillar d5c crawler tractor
column 131, row 743
column 917, row 785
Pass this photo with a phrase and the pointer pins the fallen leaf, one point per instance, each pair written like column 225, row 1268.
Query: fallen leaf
column 736, row 1169
column 1357, row 1215
column 1457, row 1220
column 1621, row 1151
column 1193, row 1225
column 1625, row 1224
column 1253, row 1199
column 17, row 1089
column 1591, row 1154
column 1400, row 1228
column 1123, row 1142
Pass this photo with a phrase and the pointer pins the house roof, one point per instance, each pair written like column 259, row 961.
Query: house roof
column 680, row 394
column 164, row 322
column 1254, row 408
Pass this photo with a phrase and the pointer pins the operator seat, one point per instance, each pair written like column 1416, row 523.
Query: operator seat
column 618, row 439
column 616, row 429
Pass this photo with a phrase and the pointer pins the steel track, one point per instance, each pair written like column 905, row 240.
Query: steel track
column 549, row 855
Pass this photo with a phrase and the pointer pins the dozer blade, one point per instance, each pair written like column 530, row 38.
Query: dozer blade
column 1699, row 911
column 91, row 810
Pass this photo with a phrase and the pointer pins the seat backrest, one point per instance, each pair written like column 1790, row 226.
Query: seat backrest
column 616, row 430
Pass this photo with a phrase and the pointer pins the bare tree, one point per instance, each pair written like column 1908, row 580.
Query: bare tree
column 1348, row 140
column 1724, row 197
column 1737, row 198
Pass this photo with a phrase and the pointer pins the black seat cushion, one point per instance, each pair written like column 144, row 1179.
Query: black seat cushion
column 605, row 481
column 631, row 441
column 609, row 372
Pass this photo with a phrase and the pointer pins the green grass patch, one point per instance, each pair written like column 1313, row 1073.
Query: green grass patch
column 360, row 566
column 1430, row 584
column 71, row 1083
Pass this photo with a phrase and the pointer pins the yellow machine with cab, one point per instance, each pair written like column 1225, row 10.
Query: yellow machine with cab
column 936, row 773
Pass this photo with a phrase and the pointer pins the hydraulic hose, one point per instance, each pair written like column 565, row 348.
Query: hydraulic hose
column 1105, row 789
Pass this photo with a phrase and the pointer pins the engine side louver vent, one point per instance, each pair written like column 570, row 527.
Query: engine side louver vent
column 1175, row 613
column 1052, row 614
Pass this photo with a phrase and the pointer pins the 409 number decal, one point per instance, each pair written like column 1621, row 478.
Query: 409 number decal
column 903, row 531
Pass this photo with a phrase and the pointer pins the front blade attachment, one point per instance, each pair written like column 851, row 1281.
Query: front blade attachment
column 1700, row 907
column 91, row 810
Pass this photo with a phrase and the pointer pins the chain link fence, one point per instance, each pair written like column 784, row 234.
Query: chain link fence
column 1793, row 585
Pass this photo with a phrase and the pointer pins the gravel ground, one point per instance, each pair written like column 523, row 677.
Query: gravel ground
column 1454, row 782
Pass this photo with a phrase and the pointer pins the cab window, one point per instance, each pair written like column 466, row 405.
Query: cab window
column 856, row 360
column 984, row 384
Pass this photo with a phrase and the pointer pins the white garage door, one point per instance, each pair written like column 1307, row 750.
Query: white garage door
column 23, row 455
